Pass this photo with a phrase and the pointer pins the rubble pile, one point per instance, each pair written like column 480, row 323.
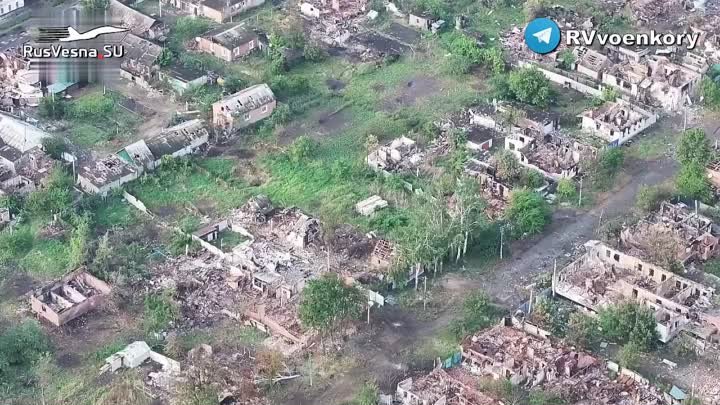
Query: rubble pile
column 652, row 11
column 531, row 361
column 351, row 243
column 233, row 375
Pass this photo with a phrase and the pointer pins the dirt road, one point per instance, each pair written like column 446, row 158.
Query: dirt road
column 383, row 352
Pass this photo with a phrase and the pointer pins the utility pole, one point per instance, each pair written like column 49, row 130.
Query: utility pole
column 368, row 315
column 425, row 294
column 502, row 234
column 160, row 8
column 600, row 220
column 580, row 196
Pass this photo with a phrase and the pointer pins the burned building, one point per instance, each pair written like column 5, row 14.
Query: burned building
column 495, row 190
column 68, row 298
column 674, row 232
column 400, row 154
column 244, row 108
column 603, row 276
column 555, row 157
column 531, row 361
column 442, row 387
column 617, row 122
column 590, row 63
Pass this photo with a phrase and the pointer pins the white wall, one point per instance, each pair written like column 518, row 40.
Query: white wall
column 7, row 6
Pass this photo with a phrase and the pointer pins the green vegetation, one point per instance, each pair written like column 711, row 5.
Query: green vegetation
column 477, row 313
column 649, row 197
column 20, row 347
column 160, row 310
column 566, row 190
column 710, row 91
column 605, row 168
column 629, row 323
column 551, row 315
column 368, row 394
column 694, row 153
column 528, row 212
column 582, row 330
column 629, row 355
column 527, row 85
column 327, row 303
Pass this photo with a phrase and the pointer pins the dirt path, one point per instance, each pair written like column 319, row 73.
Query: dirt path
column 395, row 330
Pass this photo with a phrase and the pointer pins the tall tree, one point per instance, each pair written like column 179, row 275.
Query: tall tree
column 694, row 148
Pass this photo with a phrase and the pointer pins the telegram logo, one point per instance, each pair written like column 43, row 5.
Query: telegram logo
column 542, row 35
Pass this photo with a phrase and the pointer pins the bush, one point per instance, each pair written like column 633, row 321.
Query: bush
column 710, row 91
column 368, row 394
column 160, row 310
column 21, row 346
column 582, row 330
column 285, row 86
column 694, row 149
column 301, row 149
column 528, row 212
column 566, row 190
column 604, row 169
column 477, row 313
column 52, row 107
column 649, row 198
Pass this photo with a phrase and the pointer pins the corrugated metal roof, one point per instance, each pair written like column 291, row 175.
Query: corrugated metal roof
column 20, row 135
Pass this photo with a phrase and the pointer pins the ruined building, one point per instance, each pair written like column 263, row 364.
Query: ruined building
column 603, row 276
column 531, row 361
column 244, row 108
column 398, row 155
column 68, row 298
column 617, row 122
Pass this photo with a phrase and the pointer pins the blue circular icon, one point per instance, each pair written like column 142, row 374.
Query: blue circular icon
column 542, row 35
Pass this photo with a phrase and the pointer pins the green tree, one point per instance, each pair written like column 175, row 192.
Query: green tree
column 528, row 211
column 530, row 86
column 508, row 166
column 79, row 239
column 313, row 53
column 566, row 58
column 605, row 168
column 582, row 330
column 710, row 92
column 165, row 58
column 694, row 148
column 691, row 182
column 566, row 190
column 54, row 146
column 327, row 301
column 610, row 94
column 629, row 356
column 629, row 322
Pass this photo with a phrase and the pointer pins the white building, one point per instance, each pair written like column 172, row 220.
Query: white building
column 617, row 122
column 8, row 6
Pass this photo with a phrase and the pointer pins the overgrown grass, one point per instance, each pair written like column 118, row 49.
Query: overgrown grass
column 183, row 190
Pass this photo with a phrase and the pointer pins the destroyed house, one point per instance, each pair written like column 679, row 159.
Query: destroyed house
column 99, row 176
column 442, row 387
column 19, row 134
column 504, row 352
column 244, row 108
column 135, row 21
column 138, row 64
column 617, row 122
column 495, row 190
column 216, row 10
column 384, row 254
column 230, row 42
column 400, row 154
column 677, row 231
column 481, row 138
column 589, row 62
column 72, row 296
column 713, row 172
column 533, row 120
column 654, row 80
column 604, row 276
column 177, row 141
column 423, row 21
column 552, row 156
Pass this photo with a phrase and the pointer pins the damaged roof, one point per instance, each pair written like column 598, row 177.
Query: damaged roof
column 137, row 22
column 231, row 35
column 140, row 50
column 19, row 134
column 248, row 99
column 106, row 170
column 176, row 138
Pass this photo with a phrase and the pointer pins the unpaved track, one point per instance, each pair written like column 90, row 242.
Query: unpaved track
column 395, row 330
